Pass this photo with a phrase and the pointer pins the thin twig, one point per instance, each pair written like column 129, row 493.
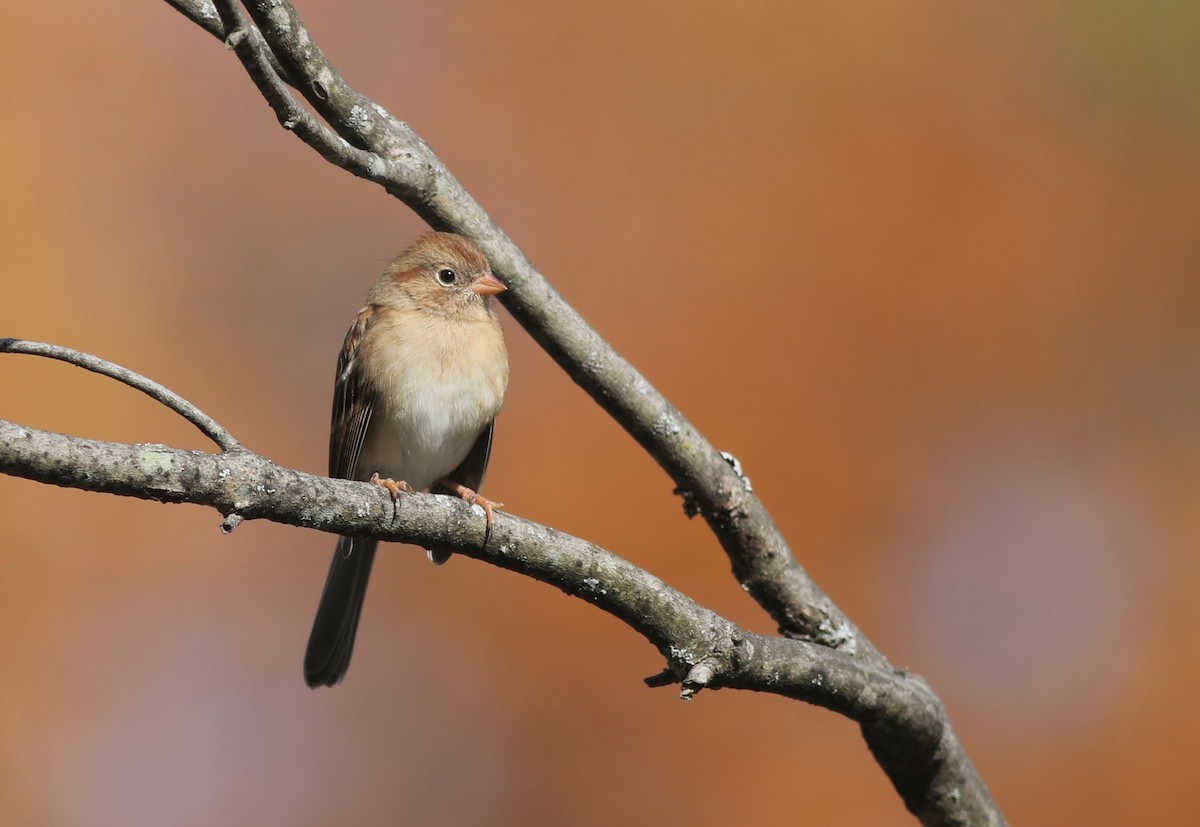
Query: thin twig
column 247, row 43
column 201, row 12
column 204, row 14
column 207, row 425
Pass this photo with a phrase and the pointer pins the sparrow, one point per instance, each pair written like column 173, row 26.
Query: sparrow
column 420, row 378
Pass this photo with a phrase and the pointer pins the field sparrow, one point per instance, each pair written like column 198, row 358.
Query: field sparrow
column 420, row 378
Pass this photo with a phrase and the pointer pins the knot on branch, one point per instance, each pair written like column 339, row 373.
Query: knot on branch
column 726, row 656
column 697, row 678
column 235, row 38
column 736, row 465
column 839, row 636
column 690, row 505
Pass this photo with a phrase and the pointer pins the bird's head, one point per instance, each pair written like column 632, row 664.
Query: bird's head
column 441, row 273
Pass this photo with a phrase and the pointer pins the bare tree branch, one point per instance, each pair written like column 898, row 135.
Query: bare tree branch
column 247, row 43
column 901, row 719
column 207, row 425
column 201, row 12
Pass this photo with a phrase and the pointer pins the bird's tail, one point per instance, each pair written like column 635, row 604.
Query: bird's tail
column 332, row 638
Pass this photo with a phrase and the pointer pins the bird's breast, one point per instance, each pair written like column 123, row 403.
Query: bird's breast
column 437, row 387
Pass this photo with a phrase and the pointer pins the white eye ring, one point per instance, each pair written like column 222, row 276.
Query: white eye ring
column 447, row 276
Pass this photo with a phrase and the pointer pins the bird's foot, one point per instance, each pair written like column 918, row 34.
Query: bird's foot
column 475, row 498
column 392, row 487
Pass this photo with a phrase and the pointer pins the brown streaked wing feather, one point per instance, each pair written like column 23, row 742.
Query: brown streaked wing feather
column 352, row 402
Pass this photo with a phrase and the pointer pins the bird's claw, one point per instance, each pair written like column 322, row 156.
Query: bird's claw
column 475, row 498
column 392, row 487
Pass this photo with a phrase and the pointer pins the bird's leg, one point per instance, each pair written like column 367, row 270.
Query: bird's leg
column 392, row 487
column 475, row 498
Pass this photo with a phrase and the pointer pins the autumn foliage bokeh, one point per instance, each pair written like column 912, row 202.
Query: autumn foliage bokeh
column 929, row 270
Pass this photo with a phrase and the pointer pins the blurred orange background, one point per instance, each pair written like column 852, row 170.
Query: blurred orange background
column 928, row 269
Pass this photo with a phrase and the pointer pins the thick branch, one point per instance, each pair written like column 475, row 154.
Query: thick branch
column 702, row 649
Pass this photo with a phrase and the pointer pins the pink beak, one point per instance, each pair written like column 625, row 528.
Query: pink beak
column 488, row 285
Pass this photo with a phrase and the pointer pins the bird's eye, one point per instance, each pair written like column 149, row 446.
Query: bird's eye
column 447, row 276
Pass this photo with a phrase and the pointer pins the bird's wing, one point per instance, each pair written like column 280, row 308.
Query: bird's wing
column 470, row 472
column 353, row 400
